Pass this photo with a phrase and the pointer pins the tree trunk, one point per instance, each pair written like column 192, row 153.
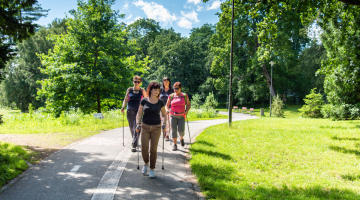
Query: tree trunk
column 268, row 81
column 98, row 103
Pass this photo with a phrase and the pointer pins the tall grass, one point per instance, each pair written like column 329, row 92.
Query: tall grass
column 68, row 122
column 204, row 114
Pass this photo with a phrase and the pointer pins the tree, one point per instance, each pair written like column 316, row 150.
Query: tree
column 20, row 84
column 90, row 62
column 253, row 51
column 313, row 103
column 16, row 24
column 143, row 31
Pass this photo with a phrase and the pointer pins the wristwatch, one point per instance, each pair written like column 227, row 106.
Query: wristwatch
column 163, row 126
column 137, row 127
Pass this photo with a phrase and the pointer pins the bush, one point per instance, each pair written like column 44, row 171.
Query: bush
column 313, row 103
column 277, row 106
column 341, row 112
column 195, row 101
column 210, row 102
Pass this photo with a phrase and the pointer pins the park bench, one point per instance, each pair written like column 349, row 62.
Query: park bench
column 234, row 108
column 244, row 109
column 98, row 116
column 251, row 111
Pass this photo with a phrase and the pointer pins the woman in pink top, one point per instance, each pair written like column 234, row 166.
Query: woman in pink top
column 177, row 101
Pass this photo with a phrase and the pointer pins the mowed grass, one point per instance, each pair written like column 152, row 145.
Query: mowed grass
column 12, row 161
column 279, row 158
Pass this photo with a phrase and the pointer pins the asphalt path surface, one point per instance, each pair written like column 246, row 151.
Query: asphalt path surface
column 100, row 167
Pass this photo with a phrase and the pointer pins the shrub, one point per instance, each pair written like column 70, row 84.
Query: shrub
column 277, row 106
column 195, row 101
column 210, row 102
column 313, row 103
column 341, row 111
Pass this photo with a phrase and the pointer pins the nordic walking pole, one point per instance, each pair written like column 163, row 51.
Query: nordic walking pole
column 123, row 129
column 188, row 128
column 169, row 129
column 163, row 150
column 138, row 156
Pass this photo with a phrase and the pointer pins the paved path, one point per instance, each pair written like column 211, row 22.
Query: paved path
column 100, row 167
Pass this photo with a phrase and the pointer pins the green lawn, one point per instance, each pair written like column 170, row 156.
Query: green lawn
column 12, row 161
column 279, row 158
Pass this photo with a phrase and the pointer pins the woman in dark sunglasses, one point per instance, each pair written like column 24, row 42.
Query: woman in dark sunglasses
column 165, row 92
column 180, row 106
column 132, row 98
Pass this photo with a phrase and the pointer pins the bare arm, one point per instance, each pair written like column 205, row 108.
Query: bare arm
column 163, row 112
column 139, row 114
column 167, row 106
column 144, row 93
column 126, row 99
column 188, row 105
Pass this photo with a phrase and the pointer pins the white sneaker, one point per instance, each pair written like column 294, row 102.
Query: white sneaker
column 144, row 170
column 151, row 173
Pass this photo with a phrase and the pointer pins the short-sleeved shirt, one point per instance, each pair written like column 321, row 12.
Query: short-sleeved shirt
column 151, row 111
column 165, row 95
column 178, row 103
column 135, row 97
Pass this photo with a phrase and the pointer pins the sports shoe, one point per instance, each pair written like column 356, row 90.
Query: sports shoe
column 144, row 170
column 133, row 149
column 182, row 142
column 151, row 173
column 167, row 138
column 174, row 147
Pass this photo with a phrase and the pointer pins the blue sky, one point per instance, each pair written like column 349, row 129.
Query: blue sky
column 182, row 15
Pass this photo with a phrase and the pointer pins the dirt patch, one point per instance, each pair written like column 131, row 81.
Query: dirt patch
column 40, row 145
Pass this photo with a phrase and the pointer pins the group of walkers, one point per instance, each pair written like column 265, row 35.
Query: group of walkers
column 148, row 112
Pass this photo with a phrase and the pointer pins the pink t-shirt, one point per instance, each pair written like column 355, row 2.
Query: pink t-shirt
column 178, row 103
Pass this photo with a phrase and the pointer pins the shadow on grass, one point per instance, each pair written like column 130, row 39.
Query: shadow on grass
column 210, row 153
column 345, row 138
column 224, row 183
column 350, row 177
column 344, row 150
column 340, row 127
column 205, row 143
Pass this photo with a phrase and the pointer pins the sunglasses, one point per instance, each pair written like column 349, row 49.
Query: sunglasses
column 176, row 88
column 137, row 81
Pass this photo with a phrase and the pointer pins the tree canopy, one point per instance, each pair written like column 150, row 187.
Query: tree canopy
column 90, row 63
column 16, row 24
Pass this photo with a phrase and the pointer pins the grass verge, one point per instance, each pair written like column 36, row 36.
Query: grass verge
column 279, row 158
column 13, row 161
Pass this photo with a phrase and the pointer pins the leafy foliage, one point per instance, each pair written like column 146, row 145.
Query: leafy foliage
column 312, row 107
column 195, row 101
column 20, row 84
column 210, row 102
column 16, row 24
column 90, row 62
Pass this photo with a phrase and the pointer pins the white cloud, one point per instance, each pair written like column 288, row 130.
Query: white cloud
column 199, row 8
column 187, row 19
column 191, row 15
column 215, row 5
column 125, row 7
column 155, row 11
column 194, row 1
column 184, row 23
column 136, row 18
column 129, row 17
